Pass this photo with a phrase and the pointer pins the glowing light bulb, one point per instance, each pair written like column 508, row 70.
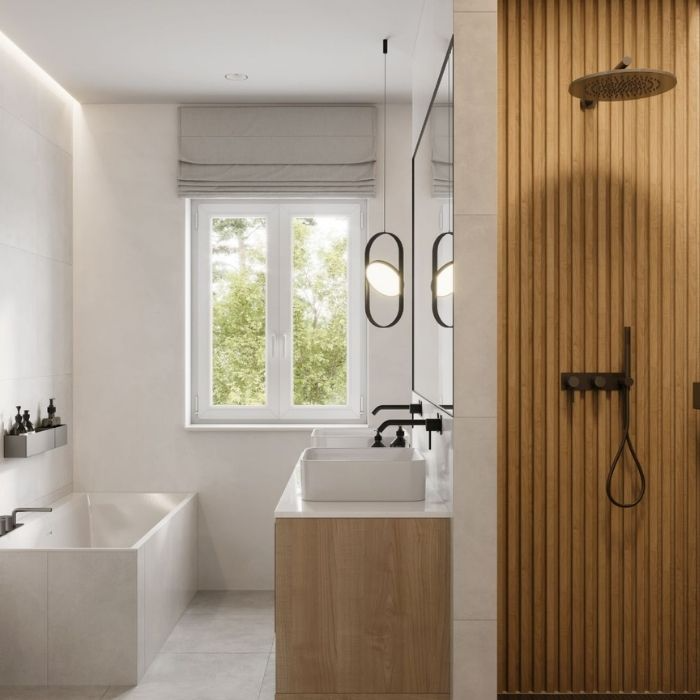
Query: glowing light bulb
column 445, row 283
column 384, row 278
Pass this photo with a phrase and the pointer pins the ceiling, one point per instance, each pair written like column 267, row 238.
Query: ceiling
column 179, row 50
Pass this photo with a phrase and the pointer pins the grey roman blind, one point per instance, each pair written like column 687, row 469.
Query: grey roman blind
column 441, row 144
column 277, row 150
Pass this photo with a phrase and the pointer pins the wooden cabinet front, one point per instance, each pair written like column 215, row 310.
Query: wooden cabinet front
column 362, row 608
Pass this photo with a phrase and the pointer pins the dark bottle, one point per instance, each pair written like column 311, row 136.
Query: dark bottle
column 28, row 425
column 18, row 428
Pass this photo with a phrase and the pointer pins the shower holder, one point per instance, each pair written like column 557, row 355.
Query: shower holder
column 595, row 381
column 696, row 395
column 30, row 444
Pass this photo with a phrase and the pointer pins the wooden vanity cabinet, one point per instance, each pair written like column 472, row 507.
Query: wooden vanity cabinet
column 362, row 608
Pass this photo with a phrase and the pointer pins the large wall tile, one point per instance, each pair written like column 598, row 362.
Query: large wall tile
column 93, row 621
column 474, row 671
column 475, row 61
column 23, row 618
column 55, row 122
column 475, row 312
column 474, row 524
column 19, row 87
column 19, row 176
column 475, row 5
column 54, row 218
column 476, row 153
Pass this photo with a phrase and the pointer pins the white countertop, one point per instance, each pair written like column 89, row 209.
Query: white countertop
column 291, row 505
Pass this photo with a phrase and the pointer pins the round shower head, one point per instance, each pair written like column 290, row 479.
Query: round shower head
column 621, row 83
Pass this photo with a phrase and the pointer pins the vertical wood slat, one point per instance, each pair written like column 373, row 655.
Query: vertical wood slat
column 600, row 229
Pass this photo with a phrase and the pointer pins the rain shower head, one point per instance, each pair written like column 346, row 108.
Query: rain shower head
column 620, row 84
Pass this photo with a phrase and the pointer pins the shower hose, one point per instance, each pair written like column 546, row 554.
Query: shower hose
column 626, row 439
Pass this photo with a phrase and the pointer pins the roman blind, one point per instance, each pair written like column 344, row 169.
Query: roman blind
column 441, row 144
column 277, row 150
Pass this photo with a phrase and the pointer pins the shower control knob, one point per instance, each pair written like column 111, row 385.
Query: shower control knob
column 599, row 382
column 573, row 382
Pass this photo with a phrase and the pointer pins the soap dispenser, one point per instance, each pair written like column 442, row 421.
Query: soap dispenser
column 18, row 428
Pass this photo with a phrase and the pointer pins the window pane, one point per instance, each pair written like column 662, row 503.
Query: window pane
column 238, row 294
column 320, row 310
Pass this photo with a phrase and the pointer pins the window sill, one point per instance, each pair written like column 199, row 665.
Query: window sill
column 265, row 427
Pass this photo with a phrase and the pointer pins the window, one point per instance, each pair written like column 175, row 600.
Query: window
column 277, row 321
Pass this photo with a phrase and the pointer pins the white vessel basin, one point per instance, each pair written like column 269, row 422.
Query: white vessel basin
column 360, row 436
column 362, row 474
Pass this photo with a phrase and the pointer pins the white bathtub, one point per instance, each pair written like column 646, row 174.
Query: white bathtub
column 89, row 592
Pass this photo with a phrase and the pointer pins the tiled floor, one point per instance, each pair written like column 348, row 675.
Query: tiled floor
column 221, row 649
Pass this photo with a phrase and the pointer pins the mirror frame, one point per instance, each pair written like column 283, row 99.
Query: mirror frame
column 448, row 409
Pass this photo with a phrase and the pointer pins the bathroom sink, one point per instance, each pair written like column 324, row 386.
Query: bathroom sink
column 362, row 474
column 351, row 436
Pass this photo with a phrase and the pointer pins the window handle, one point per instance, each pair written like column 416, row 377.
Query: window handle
column 273, row 342
column 285, row 345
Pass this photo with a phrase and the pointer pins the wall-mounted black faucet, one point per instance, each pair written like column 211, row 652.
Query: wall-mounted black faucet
column 432, row 425
column 415, row 409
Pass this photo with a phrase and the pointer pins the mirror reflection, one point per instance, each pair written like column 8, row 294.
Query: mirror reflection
column 433, row 270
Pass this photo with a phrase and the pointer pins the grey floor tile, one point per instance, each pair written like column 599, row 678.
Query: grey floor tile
column 198, row 677
column 53, row 693
column 225, row 622
column 267, row 692
column 226, row 633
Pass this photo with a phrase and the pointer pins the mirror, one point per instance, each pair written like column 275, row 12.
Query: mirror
column 433, row 180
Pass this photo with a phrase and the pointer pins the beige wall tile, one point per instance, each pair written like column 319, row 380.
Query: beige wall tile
column 475, row 315
column 475, row 5
column 474, row 525
column 474, row 667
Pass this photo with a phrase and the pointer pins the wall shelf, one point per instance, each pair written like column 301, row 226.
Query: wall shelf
column 30, row 444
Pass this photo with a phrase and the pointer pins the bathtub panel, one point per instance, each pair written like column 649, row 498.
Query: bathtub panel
column 23, row 618
column 93, row 618
column 140, row 611
column 171, row 576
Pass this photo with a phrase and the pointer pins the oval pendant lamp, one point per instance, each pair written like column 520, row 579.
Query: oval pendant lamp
column 380, row 275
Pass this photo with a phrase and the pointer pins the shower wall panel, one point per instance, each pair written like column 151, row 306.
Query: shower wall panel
column 598, row 229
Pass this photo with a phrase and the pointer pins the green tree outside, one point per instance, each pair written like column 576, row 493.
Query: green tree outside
column 319, row 299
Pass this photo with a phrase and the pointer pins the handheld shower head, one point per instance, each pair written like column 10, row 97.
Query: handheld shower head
column 620, row 84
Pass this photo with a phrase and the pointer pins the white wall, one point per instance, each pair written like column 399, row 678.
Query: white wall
column 35, row 269
column 130, row 342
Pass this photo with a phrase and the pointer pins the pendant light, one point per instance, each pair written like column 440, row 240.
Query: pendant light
column 380, row 275
column 442, row 279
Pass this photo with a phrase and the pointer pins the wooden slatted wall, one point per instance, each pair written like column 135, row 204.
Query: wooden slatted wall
column 598, row 230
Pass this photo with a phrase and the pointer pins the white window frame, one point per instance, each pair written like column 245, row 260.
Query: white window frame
column 279, row 370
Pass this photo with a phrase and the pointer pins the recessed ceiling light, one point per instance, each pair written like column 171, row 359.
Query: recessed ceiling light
column 236, row 77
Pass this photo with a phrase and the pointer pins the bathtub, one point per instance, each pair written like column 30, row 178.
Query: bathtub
column 89, row 592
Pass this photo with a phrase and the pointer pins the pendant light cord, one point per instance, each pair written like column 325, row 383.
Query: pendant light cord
column 385, row 50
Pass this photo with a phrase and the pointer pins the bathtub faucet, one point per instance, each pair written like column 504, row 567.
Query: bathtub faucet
column 8, row 523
